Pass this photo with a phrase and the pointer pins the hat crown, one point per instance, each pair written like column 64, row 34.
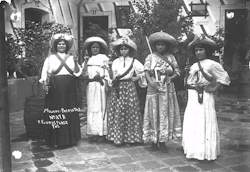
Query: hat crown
column 93, row 39
column 202, row 39
column 68, row 38
column 125, row 41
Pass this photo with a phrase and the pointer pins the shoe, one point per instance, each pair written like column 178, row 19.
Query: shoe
column 128, row 144
column 163, row 147
column 154, row 147
column 100, row 139
column 93, row 138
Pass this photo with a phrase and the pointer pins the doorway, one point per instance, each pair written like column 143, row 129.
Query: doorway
column 33, row 15
column 101, row 21
column 235, row 38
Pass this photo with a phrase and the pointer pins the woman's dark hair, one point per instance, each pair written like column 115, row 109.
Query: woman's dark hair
column 208, row 49
column 59, row 40
column 154, row 46
column 102, row 49
column 131, row 50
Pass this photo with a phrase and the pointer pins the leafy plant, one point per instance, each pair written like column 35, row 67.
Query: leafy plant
column 36, row 38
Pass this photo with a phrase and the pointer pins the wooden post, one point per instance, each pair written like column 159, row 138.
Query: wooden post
column 4, row 107
column 80, row 60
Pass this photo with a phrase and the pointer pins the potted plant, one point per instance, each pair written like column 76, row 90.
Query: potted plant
column 35, row 47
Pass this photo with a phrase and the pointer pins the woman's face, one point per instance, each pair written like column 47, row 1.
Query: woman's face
column 124, row 50
column 200, row 53
column 95, row 48
column 61, row 47
column 161, row 47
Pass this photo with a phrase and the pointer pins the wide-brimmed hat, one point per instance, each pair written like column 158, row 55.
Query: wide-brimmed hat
column 124, row 41
column 162, row 36
column 68, row 38
column 93, row 39
column 204, row 40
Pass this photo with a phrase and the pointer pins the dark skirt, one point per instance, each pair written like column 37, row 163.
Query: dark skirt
column 61, row 114
column 124, row 118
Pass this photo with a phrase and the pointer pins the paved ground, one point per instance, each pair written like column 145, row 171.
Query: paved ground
column 234, row 125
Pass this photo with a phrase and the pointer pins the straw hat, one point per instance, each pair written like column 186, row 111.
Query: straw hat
column 162, row 36
column 124, row 41
column 66, row 37
column 93, row 39
column 202, row 39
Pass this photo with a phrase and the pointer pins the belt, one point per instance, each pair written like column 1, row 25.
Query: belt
column 199, row 91
column 96, row 79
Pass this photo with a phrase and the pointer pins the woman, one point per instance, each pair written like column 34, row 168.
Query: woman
column 61, row 114
column 97, row 73
column 161, row 114
column 201, row 138
column 124, row 116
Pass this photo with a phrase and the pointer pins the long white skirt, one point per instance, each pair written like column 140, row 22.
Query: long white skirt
column 201, row 139
column 96, row 102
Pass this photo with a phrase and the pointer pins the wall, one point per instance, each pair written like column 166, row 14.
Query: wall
column 60, row 11
column 18, row 90
column 216, row 14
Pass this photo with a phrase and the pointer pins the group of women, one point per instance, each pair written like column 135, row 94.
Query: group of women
column 113, row 107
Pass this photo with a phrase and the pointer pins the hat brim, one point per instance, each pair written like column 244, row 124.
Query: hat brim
column 124, row 41
column 202, row 40
column 66, row 37
column 162, row 37
column 93, row 39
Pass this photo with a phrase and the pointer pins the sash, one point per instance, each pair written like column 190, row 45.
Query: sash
column 116, row 81
column 63, row 64
column 165, row 59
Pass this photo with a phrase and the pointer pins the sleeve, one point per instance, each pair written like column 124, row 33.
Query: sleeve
column 220, row 74
column 139, row 71
column 147, row 64
column 176, row 66
column 45, row 69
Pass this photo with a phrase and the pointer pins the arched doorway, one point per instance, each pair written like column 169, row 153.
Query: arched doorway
column 35, row 15
column 235, row 37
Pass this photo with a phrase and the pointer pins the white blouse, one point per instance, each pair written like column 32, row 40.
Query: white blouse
column 121, row 65
column 212, row 68
column 52, row 63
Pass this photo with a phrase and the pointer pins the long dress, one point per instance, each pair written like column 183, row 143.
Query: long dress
column 61, row 114
column 201, row 139
column 97, row 96
column 124, row 115
column 161, row 114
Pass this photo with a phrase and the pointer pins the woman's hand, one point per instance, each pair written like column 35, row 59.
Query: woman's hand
column 187, row 68
column 75, row 58
column 154, row 84
column 135, row 78
column 86, row 58
column 210, row 89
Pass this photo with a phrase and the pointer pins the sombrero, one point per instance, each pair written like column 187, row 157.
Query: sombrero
column 124, row 41
column 204, row 40
column 162, row 36
column 92, row 39
column 66, row 37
